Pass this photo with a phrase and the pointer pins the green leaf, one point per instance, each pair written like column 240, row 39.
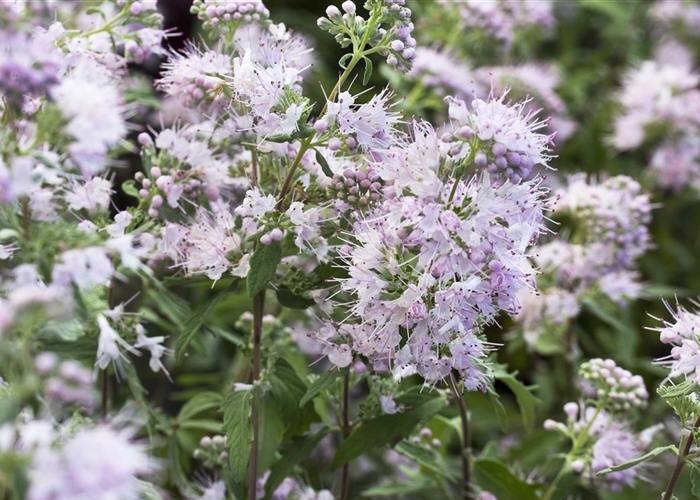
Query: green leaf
column 199, row 404
column 628, row 465
column 129, row 188
column 263, row 265
column 279, row 138
column 386, row 429
column 237, row 409
column 400, row 489
column 202, row 425
column 195, row 322
column 493, row 476
column 288, row 390
column 523, row 395
column 288, row 299
column 271, row 431
column 601, row 312
column 499, row 409
column 304, row 132
column 695, row 480
column 428, row 458
column 368, row 71
column 322, row 383
column 324, row 164
column 342, row 63
column 292, row 455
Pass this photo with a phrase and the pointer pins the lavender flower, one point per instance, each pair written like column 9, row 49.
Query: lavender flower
column 508, row 141
column 682, row 334
column 436, row 267
column 80, row 468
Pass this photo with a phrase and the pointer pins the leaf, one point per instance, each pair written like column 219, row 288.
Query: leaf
column 129, row 188
column 195, row 322
column 425, row 457
column 202, row 425
column 499, row 409
column 523, row 395
column 342, row 62
column 385, row 429
column 263, row 265
column 368, row 71
column 324, row 164
column 288, row 299
column 271, row 431
column 322, row 383
column 695, row 480
column 199, row 404
column 493, row 476
column 399, row 490
column 288, row 390
column 602, row 313
column 628, row 465
column 292, row 455
column 237, row 409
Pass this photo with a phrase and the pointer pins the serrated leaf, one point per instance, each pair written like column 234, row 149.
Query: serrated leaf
column 322, row 383
column 288, row 299
column 292, row 455
column 493, row 476
column 523, row 395
column 628, row 465
column 237, row 409
column 263, row 265
column 428, row 458
column 386, row 429
column 368, row 71
column 199, row 404
column 324, row 164
column 695, row 480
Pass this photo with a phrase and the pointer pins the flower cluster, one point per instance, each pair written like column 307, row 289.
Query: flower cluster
column 501, row 19
column 437, row 261
column 218, row 14
column 600, row 442
column 80, row 467
column 609, row 234
column 508, row 142
column 606, row 381
column 388, row 29
column 682, row 334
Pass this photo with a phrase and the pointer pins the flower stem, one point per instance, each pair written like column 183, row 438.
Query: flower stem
column 306, row 143
column 258, row 306
column 346, row 432
column 680, row 462
column 578, row 444
column 466, row 440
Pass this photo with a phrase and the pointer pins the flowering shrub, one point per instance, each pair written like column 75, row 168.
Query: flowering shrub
column 222, row 279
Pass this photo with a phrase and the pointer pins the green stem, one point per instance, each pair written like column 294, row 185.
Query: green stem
column 668, row 494
column 106, row 27
column 466, row 440
column 346, row 432
column 258, row 306
column 306, row 143
column 579, row 442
